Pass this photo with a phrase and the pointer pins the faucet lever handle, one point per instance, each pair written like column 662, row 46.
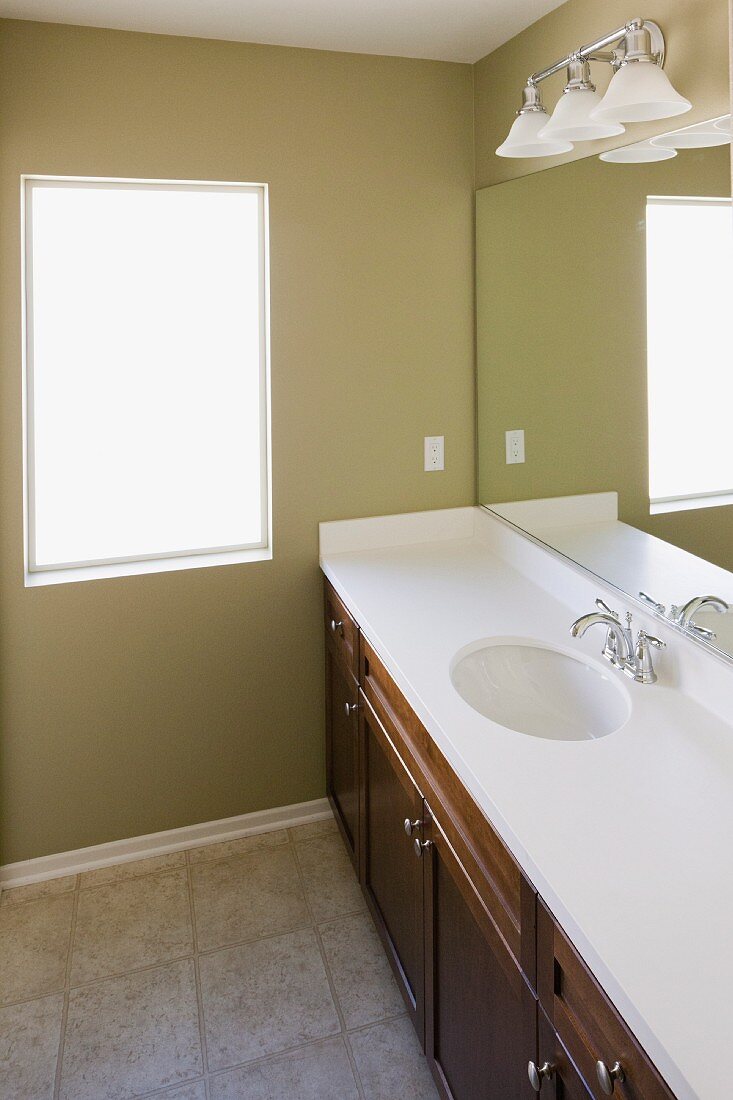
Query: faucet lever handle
column 651, row 602
column 643, row 669
column 603, row 606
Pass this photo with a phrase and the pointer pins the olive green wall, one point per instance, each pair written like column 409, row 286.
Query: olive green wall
column 697, row 37
column 145, row 703
column 561, row 323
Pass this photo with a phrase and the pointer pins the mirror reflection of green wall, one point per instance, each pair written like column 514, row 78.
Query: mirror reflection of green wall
column 561, row 315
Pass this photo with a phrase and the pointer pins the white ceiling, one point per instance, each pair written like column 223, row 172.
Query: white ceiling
column 446, row 30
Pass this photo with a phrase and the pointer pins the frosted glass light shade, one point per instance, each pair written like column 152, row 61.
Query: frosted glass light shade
column 523, row 139
column 704, row 136
column 571, row 120
column 640, row 92
column 642, row 152
column 725, row 124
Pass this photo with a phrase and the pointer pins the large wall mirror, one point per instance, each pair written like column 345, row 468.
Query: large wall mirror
column 605, row 300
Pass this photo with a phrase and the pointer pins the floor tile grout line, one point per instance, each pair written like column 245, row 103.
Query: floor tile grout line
column 197, row 980
column 204, row 952
column 127, row 879
column 377, row 1023
column 360, row 912
column 34, row 997
column 166, row 1090
column 251, row 850
column 132, row 972
column 67, row 992
column 330, row 980
column 159, row 965
column 360, row 1087
column 276, row 1055
column 8, row 890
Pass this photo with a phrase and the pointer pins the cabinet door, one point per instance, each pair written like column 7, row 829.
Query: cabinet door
column 480, row 1027
column 560, row 1079
column 342, row 751
column 392, row 873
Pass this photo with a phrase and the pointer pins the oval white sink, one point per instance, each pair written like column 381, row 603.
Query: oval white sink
column 533, row 689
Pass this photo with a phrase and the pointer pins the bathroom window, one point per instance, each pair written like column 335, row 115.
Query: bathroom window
column 690, row 381
column 146, row 376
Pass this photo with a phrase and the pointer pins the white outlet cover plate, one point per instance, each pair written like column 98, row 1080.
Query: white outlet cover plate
column 434, row 453
column 515, row 446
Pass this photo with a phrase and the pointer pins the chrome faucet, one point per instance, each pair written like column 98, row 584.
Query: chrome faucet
column 632, row 658
column 683, row 616
column 619, row 644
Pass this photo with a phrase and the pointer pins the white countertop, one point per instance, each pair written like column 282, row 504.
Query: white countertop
column 627, row 838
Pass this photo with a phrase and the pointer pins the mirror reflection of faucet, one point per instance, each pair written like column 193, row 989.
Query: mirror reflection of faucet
column 684, row 616
column 620, row 650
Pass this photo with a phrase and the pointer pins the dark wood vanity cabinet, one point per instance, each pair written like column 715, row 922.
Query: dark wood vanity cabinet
column 496, row 991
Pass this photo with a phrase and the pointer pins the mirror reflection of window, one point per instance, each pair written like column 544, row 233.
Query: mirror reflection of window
column 690, row 373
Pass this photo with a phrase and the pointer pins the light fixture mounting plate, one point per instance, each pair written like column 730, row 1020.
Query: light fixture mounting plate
column 659, row 49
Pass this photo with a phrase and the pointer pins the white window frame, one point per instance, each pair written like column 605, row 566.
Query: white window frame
column 172, row 560
column 717, row 498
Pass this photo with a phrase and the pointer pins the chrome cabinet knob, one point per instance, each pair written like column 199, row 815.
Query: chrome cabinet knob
column 410, row 826
column 337, row 625
column 421, row 846
column 538, row 1074
column 607, row 1078
column 350, row 708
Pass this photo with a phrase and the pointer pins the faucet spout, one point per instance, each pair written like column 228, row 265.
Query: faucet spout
column 620, row 642
column 684, row 615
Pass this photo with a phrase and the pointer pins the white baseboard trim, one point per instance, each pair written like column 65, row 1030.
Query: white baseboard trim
column 156, row 844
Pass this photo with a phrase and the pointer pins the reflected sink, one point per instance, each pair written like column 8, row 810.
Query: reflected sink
column 530, row 688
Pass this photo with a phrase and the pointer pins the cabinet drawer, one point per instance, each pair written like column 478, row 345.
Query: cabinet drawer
column 587, row 1023
column 341, row 630
column 496, row 876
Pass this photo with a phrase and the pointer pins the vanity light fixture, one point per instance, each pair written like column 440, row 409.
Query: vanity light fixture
column 639, row 92
column 643, row 152
column 725, row 124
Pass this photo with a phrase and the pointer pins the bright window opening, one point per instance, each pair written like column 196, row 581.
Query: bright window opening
column 690, row 373
column 146, row 376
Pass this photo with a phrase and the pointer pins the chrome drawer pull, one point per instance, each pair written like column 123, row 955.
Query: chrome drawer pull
column 350, row 708
column 537, row 1074
column 337, row 626
column 607, row 1078
column 420, row 846
column 410, row 826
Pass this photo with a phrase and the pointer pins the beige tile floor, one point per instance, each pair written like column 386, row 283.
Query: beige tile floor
column 248, row 970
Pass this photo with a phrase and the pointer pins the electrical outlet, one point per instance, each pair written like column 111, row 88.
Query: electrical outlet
column 434, row 452
column 515, row 446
